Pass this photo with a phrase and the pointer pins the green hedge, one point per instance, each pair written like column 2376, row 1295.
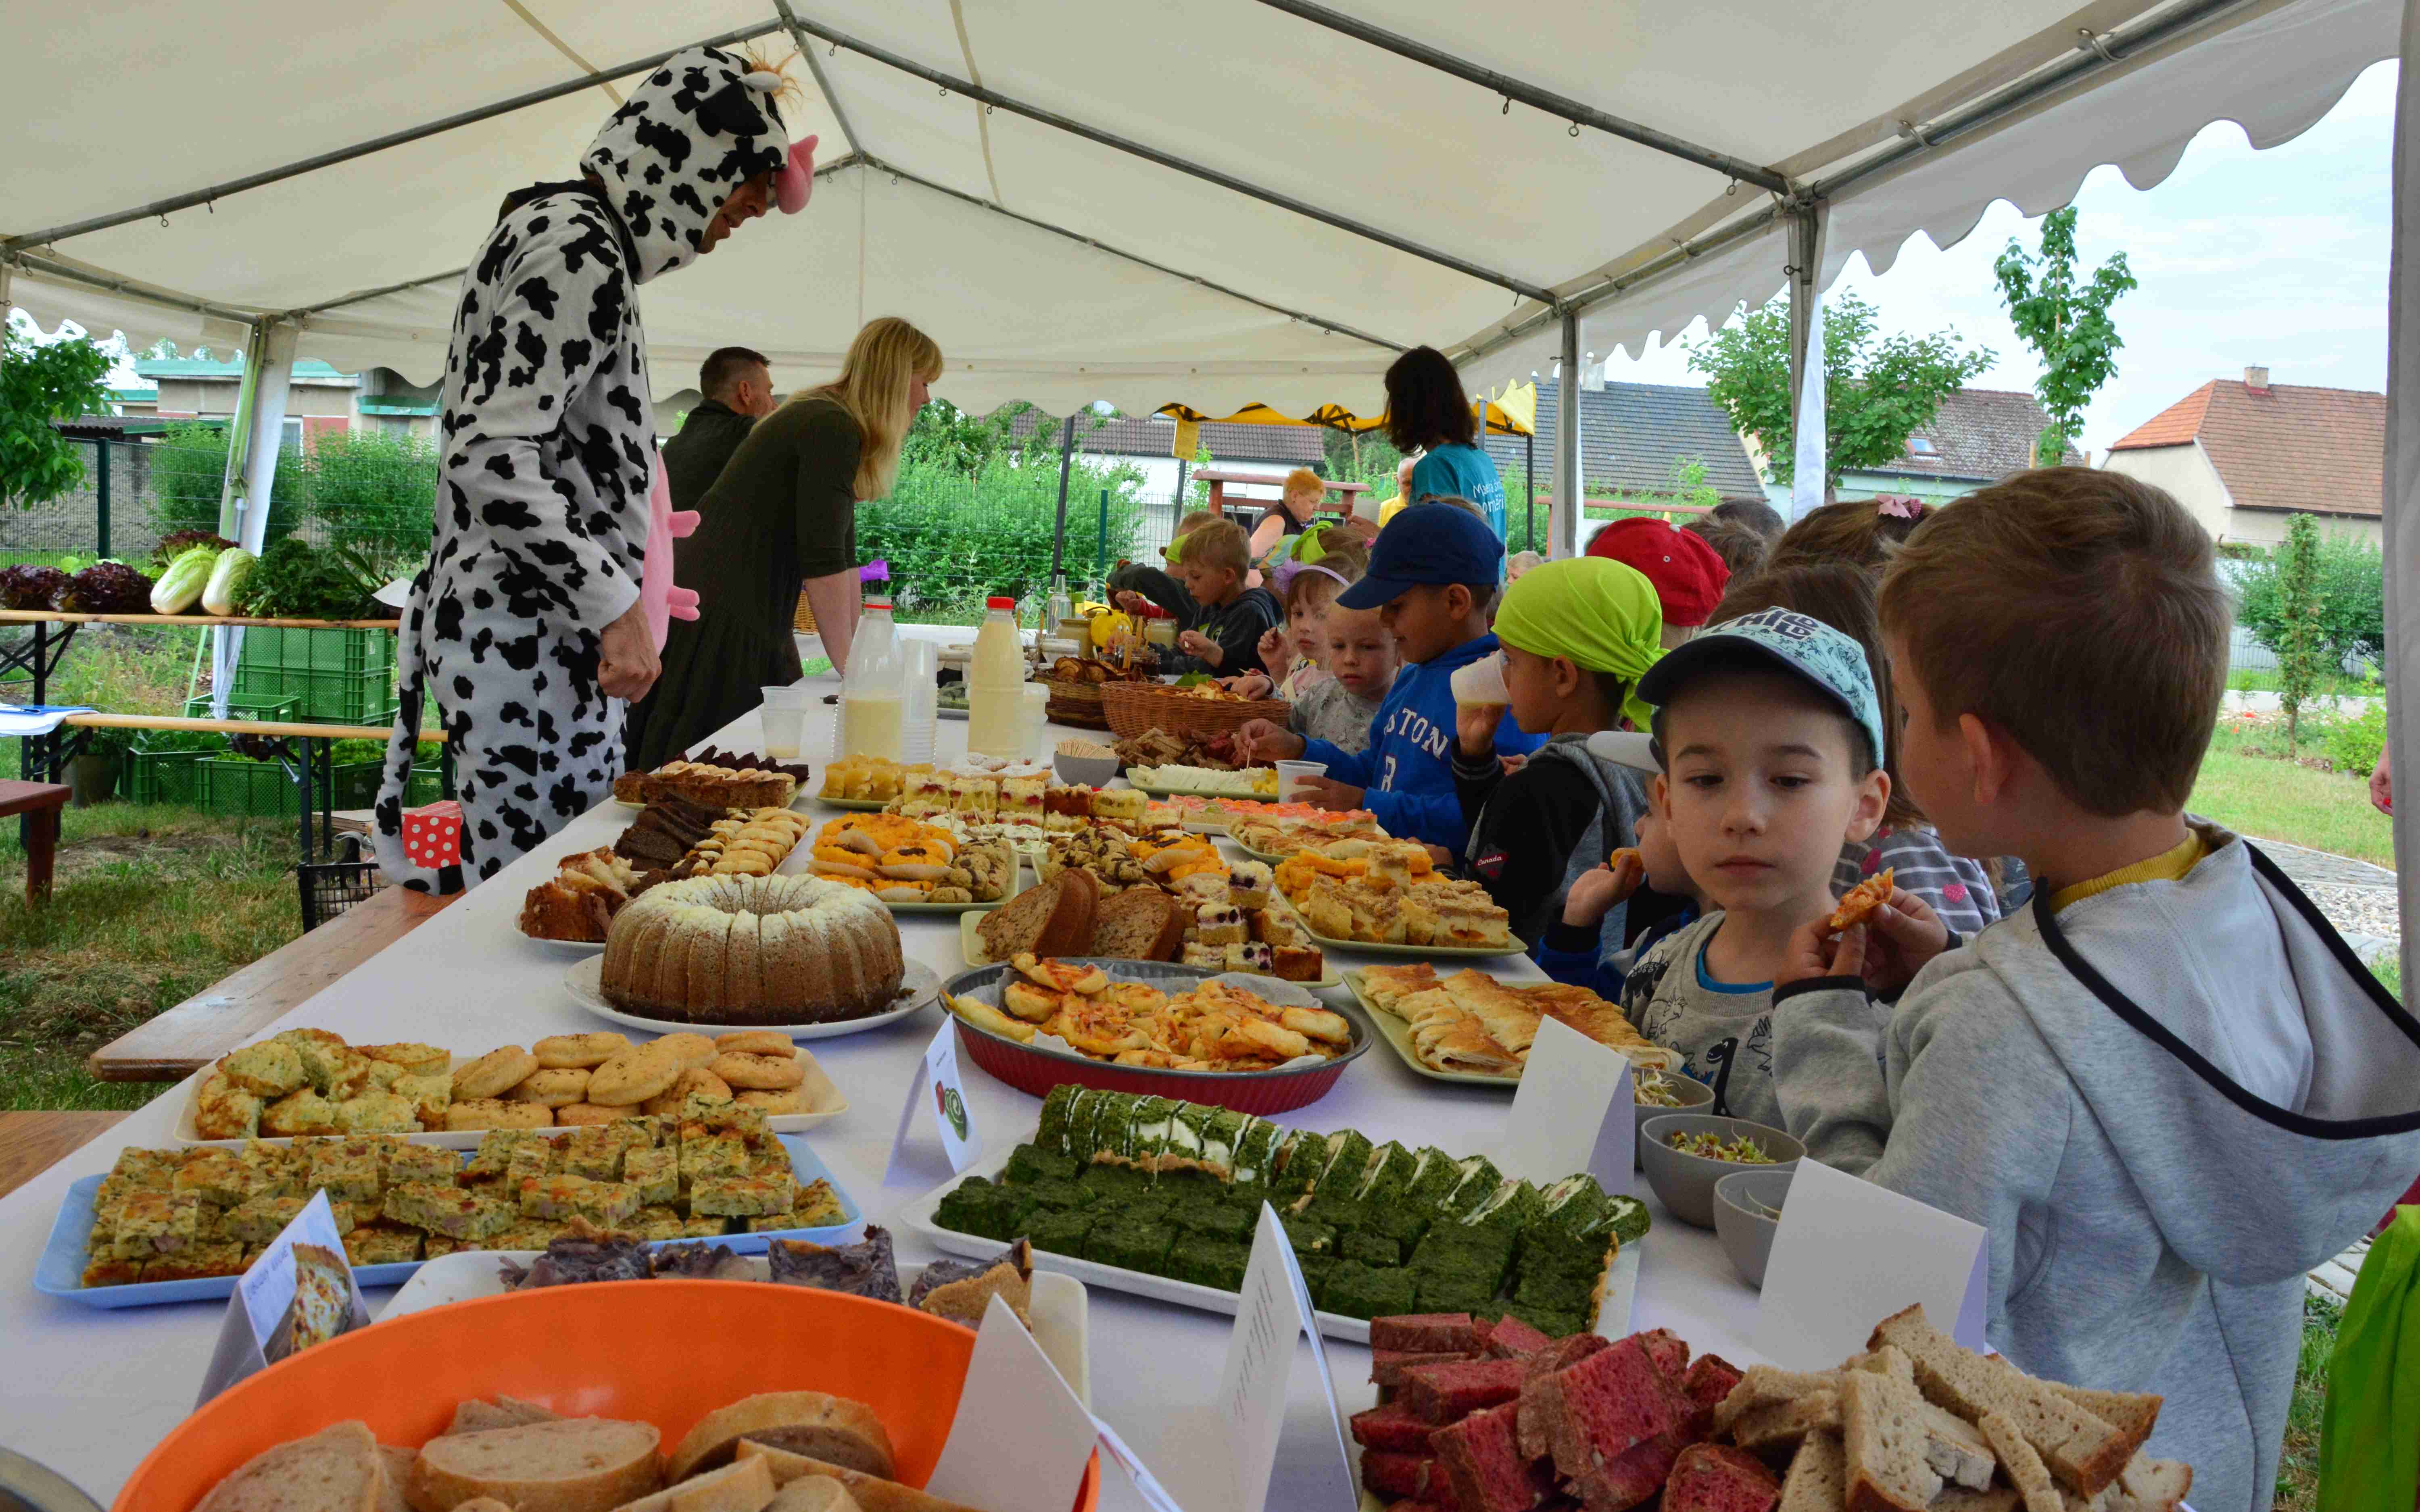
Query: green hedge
column 954, row 539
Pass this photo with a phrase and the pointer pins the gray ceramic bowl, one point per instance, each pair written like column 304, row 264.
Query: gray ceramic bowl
column 1695, row 1097
column 1087, row 771
column 1741, row 1201
column 1685, row 1184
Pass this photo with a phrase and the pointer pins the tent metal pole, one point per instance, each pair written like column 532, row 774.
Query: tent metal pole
column 1562, row 107
column 823, row 80
column 2402, row 484
column 1800, row 274
column 1563, row 520
column 378, row 143
column 1066, row 464
column 1529, row 487
column 895, row 170
column 1171, row 160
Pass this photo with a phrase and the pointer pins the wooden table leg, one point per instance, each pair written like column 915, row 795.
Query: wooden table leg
column 41, row 837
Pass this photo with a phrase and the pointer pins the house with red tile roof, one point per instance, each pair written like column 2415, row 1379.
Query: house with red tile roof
column 2246, row 456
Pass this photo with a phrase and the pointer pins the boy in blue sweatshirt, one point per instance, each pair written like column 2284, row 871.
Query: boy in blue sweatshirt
column 1432, row 577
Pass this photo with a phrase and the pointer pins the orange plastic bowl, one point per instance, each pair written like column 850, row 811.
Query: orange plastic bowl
column 666, row 1352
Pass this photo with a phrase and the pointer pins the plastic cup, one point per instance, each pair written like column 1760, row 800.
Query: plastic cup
column 783, row 717
column 1481, row 683
column 1034, row 712
column 1290, row 775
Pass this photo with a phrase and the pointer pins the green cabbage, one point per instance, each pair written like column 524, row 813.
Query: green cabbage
column 227, row 580
column 182, row 583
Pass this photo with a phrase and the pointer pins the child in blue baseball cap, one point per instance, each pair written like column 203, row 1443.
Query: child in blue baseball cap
column 1770, row 739
column 1432, row 577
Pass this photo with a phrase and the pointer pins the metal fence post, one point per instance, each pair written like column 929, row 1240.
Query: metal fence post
column 101, row 467
column 1101, row 542
column 1066, row 460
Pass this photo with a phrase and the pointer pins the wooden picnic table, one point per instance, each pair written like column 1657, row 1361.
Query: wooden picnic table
column 40, row 804
column 1218, row 478
column 32, row 1143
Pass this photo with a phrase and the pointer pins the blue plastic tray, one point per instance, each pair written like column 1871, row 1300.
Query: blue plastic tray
column 60, row 1272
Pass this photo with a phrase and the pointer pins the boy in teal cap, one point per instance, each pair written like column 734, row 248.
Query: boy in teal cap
column 1575, row 638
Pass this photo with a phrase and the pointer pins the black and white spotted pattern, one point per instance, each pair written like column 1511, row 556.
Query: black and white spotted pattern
column 542, row 491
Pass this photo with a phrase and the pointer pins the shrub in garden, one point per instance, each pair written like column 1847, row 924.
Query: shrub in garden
column 372, row 486
column 2351, row 597
column 954, row 537
column 2301, row 642
column 2354, row 741
column 189, row 474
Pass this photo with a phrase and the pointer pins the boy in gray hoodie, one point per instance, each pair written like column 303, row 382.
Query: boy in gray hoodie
column 2166, row 1088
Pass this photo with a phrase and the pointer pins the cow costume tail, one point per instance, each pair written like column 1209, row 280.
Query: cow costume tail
column 548, row 448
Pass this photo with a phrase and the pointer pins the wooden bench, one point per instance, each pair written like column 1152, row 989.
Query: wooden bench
column 32, row 1143
column 206, row 1026
column 40, row 804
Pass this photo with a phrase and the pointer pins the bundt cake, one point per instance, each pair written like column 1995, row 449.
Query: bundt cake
column 743, row 949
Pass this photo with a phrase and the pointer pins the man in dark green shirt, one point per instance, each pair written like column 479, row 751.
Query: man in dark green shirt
column 738, row 389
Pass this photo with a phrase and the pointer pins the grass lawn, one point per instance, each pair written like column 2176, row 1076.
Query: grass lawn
column 2298, row 1467
column 2274, row 799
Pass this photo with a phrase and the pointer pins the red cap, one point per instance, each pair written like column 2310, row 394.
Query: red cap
column 1000, row 602
column 1688, row 575
column 883, row 604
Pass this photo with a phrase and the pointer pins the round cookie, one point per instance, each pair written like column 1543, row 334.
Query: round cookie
column 759, row 1074
column 493, row 1074
column 771, row 1103
column 418, row 1059
column 693, row 1049
column 555, row 1087
column 633, row 1077
column 584, row 1051
column 495, row 1113
column 695, row 1081
column 754, row 1043
column 575, row 1114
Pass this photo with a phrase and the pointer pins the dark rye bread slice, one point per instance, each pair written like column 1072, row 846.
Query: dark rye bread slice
column 1053, row 919
column 1139, row 924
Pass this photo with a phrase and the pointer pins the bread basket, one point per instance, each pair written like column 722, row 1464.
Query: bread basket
column 1136, row 707
column 1074, row 703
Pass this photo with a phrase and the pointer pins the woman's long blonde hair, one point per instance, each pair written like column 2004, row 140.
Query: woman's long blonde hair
column 883, row 364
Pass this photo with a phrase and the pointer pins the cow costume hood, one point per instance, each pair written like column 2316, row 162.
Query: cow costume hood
column 698, row 128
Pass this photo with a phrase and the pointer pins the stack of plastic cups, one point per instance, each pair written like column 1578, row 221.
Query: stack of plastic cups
column 1035, row 720
column 923, row 699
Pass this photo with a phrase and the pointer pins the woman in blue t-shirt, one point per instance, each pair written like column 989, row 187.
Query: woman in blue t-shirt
column 1426, row 409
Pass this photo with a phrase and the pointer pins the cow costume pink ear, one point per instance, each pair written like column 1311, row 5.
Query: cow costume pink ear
column 795, row 179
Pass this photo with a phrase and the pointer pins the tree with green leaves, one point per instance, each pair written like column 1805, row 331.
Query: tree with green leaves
column 2066, row 324
column 2302, row 641
column 41, row 382
column 1878, row 391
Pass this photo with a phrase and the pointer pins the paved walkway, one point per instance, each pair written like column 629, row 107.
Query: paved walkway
column 2358, row 897
column 2265, row 702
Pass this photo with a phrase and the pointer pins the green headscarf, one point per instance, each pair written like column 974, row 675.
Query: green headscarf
column 1602, row 614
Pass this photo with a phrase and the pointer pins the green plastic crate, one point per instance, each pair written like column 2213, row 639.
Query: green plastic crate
column 334, row 676
column 231, row 785
column 427, row 786
column 165, row 776
column 244, row 706
column 319, row 651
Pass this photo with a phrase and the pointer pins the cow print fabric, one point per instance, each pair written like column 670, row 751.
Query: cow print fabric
column 548, row 439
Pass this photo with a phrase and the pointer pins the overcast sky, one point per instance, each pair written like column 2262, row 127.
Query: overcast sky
column 2277, row 257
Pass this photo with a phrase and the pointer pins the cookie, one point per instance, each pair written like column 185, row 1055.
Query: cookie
column 575, row 1114
column 693, row 1049
column 754, row 1043
column 493, row 1075
column 419, row 1059
column 555, row 1087
column 495, row 1113
column 586, row 1051
column 770, row 1103
column 759, row 1074
column 695, row 1081
column 634, row 1077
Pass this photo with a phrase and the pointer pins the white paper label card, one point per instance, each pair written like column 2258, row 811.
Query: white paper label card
column 1272, row 1233
column 1572, row 1112
column 1146, row 1485
column 300, row 1293
column 1020, row 1440
column 1846, row 1254
column 939, row 1091
column 1274, row 1308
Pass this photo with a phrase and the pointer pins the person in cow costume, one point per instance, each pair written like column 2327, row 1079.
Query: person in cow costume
column 528, row 625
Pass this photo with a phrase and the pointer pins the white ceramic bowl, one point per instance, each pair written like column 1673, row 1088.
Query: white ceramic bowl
column 1741, row 1201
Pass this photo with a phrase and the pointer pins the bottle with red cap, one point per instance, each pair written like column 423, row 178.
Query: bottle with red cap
column 996, row 684
column 873, row 690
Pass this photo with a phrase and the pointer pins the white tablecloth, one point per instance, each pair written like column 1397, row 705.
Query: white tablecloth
column 88, row 1391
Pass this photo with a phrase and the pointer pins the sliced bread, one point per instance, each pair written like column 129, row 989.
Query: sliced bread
column 1055, row 919
column 2086, row 1452
column 2131, row 1413
column 1883, row 1432
column 1818, row 1475
column 337, row 1469
column 475, row 1416
column 813, row 1493
column 872, row 1493
column 1954, row 1448
column 578, row 1464
column 395, row 1465
column 1764, row 1386
column 812, row 1423
column 2026, row 1472
column 1958, row 1499
column 2152, row 1484
column 1783, row 1424
column 743, row 1486
column 1139, row 924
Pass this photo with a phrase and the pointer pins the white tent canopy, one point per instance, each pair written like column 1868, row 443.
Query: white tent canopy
column 1056, row 268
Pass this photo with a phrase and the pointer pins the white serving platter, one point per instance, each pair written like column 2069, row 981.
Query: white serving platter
column 918, row 988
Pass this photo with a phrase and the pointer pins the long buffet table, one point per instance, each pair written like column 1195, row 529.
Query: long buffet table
column 88, row 1391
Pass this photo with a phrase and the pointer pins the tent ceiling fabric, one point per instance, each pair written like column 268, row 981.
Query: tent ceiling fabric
column 116, row 110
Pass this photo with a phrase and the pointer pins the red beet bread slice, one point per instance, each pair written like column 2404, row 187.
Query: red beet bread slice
column 1387, row 1366
column 1559, row 1356
column 1605, row 1406
column 1512, row 1339
column 1668, row 1349
column 1630, row 1477
column 1446, row 1392
column 1484, row 1465
column 1393, row 1475
column 1710, row 1380
column 1715, row 1477
column 1428, row 1333
column 1393, row 1429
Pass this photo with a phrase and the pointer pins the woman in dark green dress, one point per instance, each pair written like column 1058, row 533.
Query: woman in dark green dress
column 782, row 516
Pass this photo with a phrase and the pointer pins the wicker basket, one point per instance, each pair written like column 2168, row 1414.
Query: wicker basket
column 1135, row 708
column 1075, row 703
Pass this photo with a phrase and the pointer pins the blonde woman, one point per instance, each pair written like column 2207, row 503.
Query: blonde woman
column 783, row 514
